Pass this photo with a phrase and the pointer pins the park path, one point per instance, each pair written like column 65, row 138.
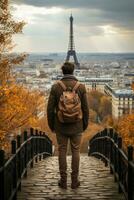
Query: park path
column 96, row 182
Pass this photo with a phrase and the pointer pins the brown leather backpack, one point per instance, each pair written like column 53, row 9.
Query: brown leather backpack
column 69, row 107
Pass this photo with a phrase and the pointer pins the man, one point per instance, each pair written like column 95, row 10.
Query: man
column 66, row 131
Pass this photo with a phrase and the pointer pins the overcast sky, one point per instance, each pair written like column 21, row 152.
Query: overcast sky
column 99, row 25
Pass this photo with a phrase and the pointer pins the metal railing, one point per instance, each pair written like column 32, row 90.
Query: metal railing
column 107, row 145
column 35, row 146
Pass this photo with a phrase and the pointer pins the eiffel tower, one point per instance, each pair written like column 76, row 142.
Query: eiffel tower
column 71, row 47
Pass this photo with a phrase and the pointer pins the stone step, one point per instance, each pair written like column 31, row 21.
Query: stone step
column 96, row 182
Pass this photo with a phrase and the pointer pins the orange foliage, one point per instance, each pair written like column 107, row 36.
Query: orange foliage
column 18, row 106
column 100, row 104
column 109, row 121
column 18, row 109
column 92, row 116
column 8, row 27
column 105, row 108
column 94, row 98
column 125, row 126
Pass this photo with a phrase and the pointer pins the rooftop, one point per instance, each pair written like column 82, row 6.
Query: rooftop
column 124, row 92
column 127, row 93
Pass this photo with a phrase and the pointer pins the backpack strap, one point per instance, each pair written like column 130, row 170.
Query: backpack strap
column 76, row 86
column 62, row 85
column 65, row 88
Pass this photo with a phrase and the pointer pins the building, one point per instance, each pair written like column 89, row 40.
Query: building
column 128, row 79
column 92, row 84
column 122, row 101
column 97, row 84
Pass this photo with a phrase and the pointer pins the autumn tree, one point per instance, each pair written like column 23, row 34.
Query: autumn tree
column 109, row 121
column 8, row 27
column 100, row 104
column 94, row 100
column 105, row 108
column 18, row 105
column 125, row 126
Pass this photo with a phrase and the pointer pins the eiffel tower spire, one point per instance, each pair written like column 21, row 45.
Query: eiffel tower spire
column 71, row 47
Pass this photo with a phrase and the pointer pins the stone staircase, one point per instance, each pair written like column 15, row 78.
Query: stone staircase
column 96, row 182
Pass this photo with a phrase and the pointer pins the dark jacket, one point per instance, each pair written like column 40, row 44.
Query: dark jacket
column 56, row 92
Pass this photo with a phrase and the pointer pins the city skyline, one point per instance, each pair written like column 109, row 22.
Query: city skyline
column 99, row 26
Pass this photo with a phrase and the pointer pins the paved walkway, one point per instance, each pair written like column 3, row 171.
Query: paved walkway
column 96, row 182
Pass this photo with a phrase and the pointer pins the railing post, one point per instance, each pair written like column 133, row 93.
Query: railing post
column 105, row 146
column 51, row 148
column 32, row 147
column 46, row 149
column 25, row 139
column 111, row 149
column 42, row 142
column 36, row 142
column 15, row 169
column 89, row 148
column 96, row 145
column 19, row 159
column 13, row 147
column 40, row 145
column 115, row 156
column 119, row 163
column 2, row 175
column 109, row 144
column 103, row 142
column 130, row 174
column 2, row 158
column 44, row 145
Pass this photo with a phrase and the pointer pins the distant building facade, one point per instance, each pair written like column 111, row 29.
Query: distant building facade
column 122, row 101
column 92, row 84
column 97, row 84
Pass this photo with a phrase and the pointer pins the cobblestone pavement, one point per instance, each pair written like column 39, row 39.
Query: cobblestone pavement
column 96, row 182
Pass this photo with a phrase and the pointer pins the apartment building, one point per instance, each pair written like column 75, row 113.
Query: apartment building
column 97, row 84
column 122, row 100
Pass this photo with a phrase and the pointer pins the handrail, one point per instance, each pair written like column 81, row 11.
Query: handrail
column 36, row 145
column 107, row 145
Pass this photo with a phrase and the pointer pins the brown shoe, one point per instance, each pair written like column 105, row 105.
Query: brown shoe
column 75, row 184
column 62, row 184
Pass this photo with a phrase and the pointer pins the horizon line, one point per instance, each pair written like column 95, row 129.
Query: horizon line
column 32, row 52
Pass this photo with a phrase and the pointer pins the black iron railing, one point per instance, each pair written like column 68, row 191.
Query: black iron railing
column 26, row 150
column 107, row 145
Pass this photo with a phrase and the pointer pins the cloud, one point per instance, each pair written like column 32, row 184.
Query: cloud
column 92, row 12
column 100, row 4
column 107, row 20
